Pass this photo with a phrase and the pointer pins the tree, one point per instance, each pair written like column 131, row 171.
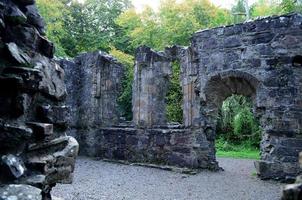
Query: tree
column 173, row 23
column 275, row 7
column 240, row 11
column 291, row 6
column 77, row 27
column 53, row 11
column 236, row 122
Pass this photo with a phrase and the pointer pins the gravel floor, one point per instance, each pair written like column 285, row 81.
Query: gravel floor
column 97, row 180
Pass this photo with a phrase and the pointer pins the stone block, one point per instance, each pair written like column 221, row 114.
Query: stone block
column 13, row 136
column 262, row 37
column 11, row 166
column 26, row 2
column 58, row 115
column 34, row 18
column 292, row 192
column 40, row 130
column 18, row 54
column 31, row 77
column 175, row 159
column 232, row 42
column 8, row 84
column 46, row 47
column 277, row 170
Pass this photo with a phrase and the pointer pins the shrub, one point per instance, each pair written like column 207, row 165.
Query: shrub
column 237, row 124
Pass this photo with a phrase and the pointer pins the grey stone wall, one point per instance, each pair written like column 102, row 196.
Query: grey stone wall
column 94, row 83
column 35, row 154
column 162, row 146
column 257, row 59
column 260, row 59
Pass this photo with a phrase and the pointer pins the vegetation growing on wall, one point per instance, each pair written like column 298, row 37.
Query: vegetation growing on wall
column 174, row 97
column 126, row 97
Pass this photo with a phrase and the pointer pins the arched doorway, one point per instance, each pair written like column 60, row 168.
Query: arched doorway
column 217, row 89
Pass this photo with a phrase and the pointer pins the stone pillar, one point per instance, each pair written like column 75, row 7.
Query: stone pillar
column 190, row 88
column 151, row 79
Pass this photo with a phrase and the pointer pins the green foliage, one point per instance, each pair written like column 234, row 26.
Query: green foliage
column 91, row 26
column 99, row 24
column 79, row 27
column 126, row 96
column 266, row 8
column 291, row 6
column 237, row 124
column 174, row 96
column 53, row 11
column 173, row 23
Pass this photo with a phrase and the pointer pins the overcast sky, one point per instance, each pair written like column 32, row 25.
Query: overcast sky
column 139, row 4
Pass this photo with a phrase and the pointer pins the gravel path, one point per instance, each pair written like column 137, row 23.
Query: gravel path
column 97, row 180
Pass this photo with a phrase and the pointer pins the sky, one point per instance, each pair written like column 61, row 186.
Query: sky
column 139, row 4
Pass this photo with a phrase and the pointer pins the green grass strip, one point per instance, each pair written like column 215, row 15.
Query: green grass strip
column 244, row 154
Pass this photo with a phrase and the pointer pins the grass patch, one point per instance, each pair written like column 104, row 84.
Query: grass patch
column 239, row 154
column 243, row 151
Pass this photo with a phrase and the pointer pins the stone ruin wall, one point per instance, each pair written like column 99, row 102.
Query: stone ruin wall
column 35, row 154
column 94, row 83
column 260, row 59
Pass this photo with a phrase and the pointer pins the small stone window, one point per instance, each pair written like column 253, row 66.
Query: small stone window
column 297, row 61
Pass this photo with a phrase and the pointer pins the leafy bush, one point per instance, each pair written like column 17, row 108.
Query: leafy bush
column 237, row 124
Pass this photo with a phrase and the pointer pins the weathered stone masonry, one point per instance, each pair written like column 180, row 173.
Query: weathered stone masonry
column 94, row 85
column 35, row 154
column 256, row 59
column 151, row 78
column 260, row 59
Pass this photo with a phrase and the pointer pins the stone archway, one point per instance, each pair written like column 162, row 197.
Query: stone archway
column 223, row 85
column 217, row 89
